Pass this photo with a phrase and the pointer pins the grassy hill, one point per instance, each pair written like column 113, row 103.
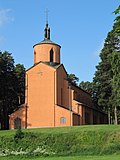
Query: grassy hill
column 62, row 141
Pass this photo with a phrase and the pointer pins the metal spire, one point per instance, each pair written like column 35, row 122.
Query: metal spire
column 47, row 29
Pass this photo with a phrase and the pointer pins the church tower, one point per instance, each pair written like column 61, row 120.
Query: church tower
column 47, row 51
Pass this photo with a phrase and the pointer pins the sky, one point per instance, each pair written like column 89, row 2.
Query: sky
column 78, row 26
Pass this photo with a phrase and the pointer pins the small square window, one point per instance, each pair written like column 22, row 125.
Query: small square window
column 62, row 120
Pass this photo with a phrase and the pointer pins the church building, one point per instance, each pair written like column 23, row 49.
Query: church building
column 50, row 99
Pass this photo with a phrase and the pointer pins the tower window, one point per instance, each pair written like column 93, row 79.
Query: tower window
column 51, row 55
column 34, row 57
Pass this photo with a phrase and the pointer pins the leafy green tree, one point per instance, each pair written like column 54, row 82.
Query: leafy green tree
column 87, row 86
column 105, row 76
column 10, row 87
column 73, row 79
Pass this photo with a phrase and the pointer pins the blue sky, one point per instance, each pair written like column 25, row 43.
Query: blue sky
column 79, row 26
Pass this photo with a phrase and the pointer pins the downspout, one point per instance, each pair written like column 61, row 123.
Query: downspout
column 26, row 98
column 70, row 103
column 54, row 94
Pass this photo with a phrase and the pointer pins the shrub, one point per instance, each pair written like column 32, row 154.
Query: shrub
column 18, row 135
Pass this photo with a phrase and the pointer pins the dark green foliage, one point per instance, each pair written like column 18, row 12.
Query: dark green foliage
column 12, row 87
column 87, row 86
column 107, row 73
column 117, row 21
column 117, row 10
column 115, row 63
column 104, row 75
column 73, row 79
column 18, row 135
column 20, row 82
column 90, row 87
column 6, row 86
column 94, row 140
column 115, row 98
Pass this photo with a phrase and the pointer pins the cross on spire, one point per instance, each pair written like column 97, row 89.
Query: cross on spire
column 46, row 14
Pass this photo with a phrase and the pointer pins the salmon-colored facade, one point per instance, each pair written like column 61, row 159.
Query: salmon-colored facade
column 50, row 100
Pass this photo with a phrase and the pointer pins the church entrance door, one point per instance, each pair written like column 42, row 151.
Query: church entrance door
column 17, row 123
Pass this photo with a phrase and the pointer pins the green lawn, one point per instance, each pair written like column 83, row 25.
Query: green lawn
column 110, row 157
column 67, row 129
column 82, row 141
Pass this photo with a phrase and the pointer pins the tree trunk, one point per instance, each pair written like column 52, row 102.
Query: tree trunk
column 115, row 113
column 5, row 119
column 108, row 117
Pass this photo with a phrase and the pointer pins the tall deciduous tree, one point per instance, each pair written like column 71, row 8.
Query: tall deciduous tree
column 10, row 87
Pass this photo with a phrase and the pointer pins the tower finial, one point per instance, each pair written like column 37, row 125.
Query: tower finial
column 47, row 29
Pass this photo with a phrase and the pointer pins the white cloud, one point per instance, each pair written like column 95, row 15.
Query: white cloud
column 5, row 16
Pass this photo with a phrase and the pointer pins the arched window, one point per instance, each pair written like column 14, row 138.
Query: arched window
column 51, row 55
column 34, row 57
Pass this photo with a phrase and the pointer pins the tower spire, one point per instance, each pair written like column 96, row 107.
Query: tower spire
column 47, row 29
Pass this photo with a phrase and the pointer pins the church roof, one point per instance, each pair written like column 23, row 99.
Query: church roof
column 47, row 41
column 51, row 64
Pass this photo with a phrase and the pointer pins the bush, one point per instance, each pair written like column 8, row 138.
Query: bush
column 18, row 135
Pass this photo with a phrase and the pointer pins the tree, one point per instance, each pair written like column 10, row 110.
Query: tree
column 115, row 98
column 117, row 21
column 115, row 65
column 20, row 82
column 9, row 87
column 87, row 86
column 6, row 85
column 73, row 79
column 105, row 76
column 90, row 87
